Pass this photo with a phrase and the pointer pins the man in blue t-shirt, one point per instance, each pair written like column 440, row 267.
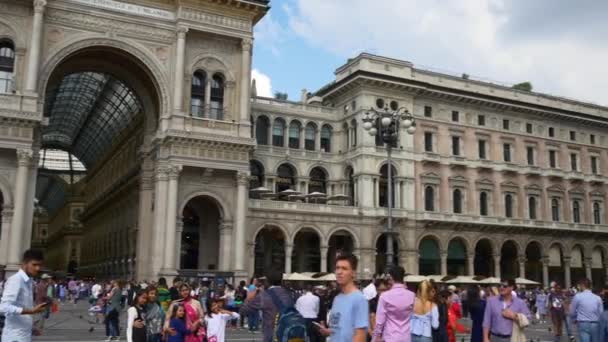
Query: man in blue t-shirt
column 349, row 316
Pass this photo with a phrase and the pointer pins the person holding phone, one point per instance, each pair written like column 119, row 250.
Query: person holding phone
column 18, row 300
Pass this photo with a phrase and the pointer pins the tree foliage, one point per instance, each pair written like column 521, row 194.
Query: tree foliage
column 524, row 86
column 280, row 96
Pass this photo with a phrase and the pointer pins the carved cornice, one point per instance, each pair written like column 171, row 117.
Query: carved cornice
column 203, row 17
column 242, row 178
column 173, row 171
column 25, row 157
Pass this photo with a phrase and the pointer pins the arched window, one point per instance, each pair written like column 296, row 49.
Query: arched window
column 457, row 201
column 278, row 132
column 197, row 98
column 262, row 124
column 286, row 178
column 326, row 138
column 429, row 198
column 294, row 134
column 318, row 181
column 346, row 136
column 383, row 195
column 353, row 125
column 508, row 205
column 256, row 179
column 350, row 191
column 216, row 110
column 555, row 210
column 532, row 207
column 597, row 213
column 483, row 204
column 7, row 65
column 309, row 136
column 576, row 212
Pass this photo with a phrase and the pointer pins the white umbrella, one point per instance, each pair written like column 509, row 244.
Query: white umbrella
column 268, row 195
column 413, row 278
column 490, row 280
column 462, row 280
column 296, row 197
column 436, row 278
column 524, row 281
column 289, row 192
column 298, row 277
column 260, row 190
column 338, row 197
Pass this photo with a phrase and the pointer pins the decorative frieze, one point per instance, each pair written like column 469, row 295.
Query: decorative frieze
column 214, row 19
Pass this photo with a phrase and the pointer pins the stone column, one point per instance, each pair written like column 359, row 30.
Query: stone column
column 522, row 266
column 144, row 231
column 588, row 272
column 568, row 281
column 17, row 236
column 33, row 61
column 32, row 175
column 376, row 192
column 225, row 241
column 288, row 252
column 545, row 262
column 180, row 53
column 246, row 45
column 364, row 189
column 497, row 265
column 397, row 192
column 179, row 229
column 242, row 180
column 318, row 139
column 410, row 247
column 444, row 262
column 7, row 217
column 606, row 267
column 302, row 141
column 471, row 264
column 207, row 98
column 169, row 265
column 324, row 249
column 160, row 208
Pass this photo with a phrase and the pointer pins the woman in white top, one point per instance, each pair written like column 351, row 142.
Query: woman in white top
column 425, row 316
column 136, row 317
column 216, row 319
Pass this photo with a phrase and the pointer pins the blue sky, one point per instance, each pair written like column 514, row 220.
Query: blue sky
column 558, row 45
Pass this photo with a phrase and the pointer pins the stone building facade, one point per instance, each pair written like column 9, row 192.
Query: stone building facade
column 131, row 146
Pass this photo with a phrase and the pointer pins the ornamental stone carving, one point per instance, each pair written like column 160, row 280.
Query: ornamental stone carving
column 173, row 171
column 25, row 157
column 208, row 18
column 242, row 178
column 39, row 6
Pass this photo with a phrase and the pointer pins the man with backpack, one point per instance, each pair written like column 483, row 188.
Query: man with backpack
column 279, row 317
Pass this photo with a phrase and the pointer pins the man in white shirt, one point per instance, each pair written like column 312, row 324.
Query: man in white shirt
column 96, row 290
column 308, row 306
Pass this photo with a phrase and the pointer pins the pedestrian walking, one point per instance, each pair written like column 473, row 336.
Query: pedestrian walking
column 556, row 303
column 17, row 302
column 112, row 310
column 136, row 318
column 501, row 312
column 441, row 333
column 395, row 310
column 425, row 316
column 41, row 295
column 253, row 316
column 585, row 310
column 541, row 305
column 381, row 286
column 349, row 317
column 308, row 306
column 477, row 307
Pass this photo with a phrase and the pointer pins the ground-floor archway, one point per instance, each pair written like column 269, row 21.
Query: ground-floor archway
column 200, row 241
column 484, row 258
column 509, row 266
column 598, row 268
column 381, row 253
column 577, row 264
column 306, row 255
column 340, row 242
column 269, row 250
column 429, row 260
column 457, row 257
column 556, row 264
column 534, row 266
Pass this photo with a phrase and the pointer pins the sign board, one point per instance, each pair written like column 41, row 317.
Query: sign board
column 123, row 7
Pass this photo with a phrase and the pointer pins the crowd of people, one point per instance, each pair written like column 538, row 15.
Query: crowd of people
column 345, row 310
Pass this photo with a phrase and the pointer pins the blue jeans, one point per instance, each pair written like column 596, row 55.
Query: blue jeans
column 252, row 320
column 417, row 338
column 588, row 332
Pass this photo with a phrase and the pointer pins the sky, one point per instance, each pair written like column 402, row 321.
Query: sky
column 560, row 46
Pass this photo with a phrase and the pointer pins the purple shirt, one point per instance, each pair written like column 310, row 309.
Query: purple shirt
column 395, row 308
column 493, row 319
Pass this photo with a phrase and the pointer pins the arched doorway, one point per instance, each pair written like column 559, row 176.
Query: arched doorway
column 577, row 266
column 200, row 246
column 340, row 242
column 457, row 257
column 484, row 258
column 269, row 250
column 306, row 256
column 429, row 260
column 509, row 267
column 534, row 266
column 102, row 105
column 318, row 180
column 286, row 178
column 556, row 264
column 381, row 253
column 598, row 268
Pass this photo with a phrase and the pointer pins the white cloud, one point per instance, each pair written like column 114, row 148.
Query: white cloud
column 268, row 34
column 465, row 36
column 263, row 83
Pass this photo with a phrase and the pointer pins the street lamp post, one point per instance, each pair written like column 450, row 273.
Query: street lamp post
column 386, row 124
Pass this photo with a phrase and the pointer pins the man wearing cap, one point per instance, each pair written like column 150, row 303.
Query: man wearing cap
column 500, row 313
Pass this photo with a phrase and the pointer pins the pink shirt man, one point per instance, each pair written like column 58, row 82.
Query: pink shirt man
column 395, row 308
